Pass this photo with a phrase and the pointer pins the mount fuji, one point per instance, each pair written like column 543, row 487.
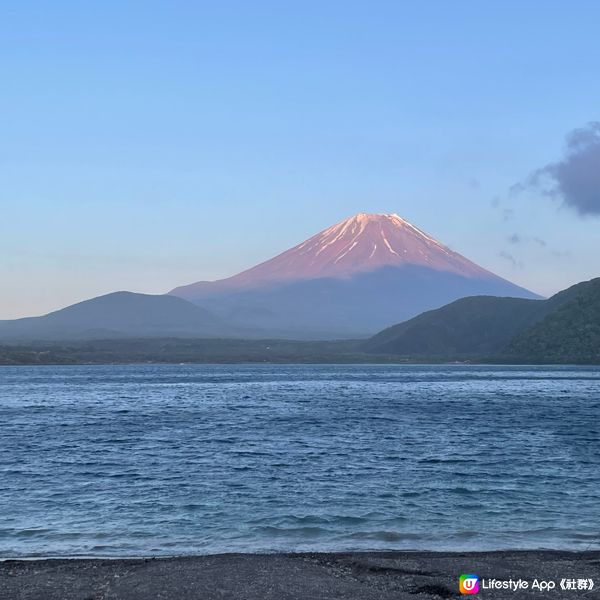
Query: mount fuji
column 355, row 278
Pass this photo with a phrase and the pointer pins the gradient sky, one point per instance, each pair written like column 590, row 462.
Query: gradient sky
column 145, row 145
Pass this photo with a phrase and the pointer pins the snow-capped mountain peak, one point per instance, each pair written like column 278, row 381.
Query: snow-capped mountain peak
column 359, row 275
column 361, row 243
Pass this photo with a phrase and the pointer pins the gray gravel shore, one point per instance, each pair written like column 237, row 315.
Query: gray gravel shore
column 356, row 576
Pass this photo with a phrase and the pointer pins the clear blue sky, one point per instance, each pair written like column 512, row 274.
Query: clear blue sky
column 145, row 145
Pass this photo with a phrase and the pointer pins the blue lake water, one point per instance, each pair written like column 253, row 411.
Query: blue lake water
column 157, row 460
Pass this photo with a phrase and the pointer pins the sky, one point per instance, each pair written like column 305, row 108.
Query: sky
column 146, row 145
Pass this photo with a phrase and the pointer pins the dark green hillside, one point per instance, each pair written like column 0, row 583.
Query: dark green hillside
column 564, row 328
column 570, row 334
column 468, row 327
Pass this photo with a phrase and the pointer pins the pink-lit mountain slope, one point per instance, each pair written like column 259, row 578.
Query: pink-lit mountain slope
column 353, row 278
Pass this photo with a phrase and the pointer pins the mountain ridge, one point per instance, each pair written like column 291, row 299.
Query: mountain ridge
column 118, row 314
column 564, row 329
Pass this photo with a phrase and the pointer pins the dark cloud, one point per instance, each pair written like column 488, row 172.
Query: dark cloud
column 515, row 239
column 508, row 214
column 517, row 264
column 576, row 178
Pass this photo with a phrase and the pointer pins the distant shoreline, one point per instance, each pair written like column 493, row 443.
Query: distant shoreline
column 305, row 576
column 176, row 351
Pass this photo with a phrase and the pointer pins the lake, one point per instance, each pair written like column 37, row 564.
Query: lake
column 195, row 459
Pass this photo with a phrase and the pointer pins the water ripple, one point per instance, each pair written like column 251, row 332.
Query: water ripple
column 135, row 460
